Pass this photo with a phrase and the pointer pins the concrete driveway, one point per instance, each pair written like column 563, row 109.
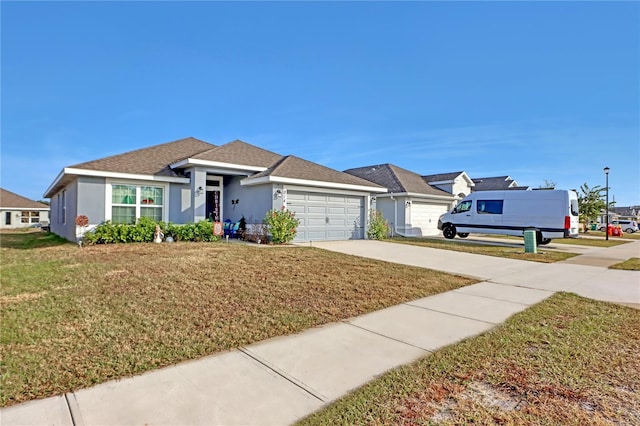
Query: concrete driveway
column 585, row 274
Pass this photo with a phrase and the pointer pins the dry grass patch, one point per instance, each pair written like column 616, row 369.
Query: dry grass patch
column 567, row 360
column 105, row 312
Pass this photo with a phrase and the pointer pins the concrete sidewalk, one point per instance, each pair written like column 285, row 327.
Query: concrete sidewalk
column 279, row 381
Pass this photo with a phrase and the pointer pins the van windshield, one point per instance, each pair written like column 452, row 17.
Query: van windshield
column 464, row 206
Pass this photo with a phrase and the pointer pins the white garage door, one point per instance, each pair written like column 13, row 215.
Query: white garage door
column 424, row 218
column 327, row 217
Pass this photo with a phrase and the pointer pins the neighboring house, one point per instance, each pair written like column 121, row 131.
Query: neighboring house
column 17, row 211
column 496, row 183
column 189, row 180
column 411, row 205
column 457, row 183
column 631, row 212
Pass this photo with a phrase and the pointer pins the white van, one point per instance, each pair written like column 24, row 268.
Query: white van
column 551, row 213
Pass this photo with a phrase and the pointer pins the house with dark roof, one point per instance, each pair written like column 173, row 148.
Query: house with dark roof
column 457, row 183
column 412, row 205
column 17, row 211
column 190, row 180
column 497, row 183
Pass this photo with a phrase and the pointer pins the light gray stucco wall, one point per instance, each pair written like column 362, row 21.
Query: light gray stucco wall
column 396, row 219
column 254, row 201
column 91, row 199
column 65, row 227
column 180, row 203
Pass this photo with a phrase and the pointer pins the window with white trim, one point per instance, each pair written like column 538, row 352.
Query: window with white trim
column 131, row 202
column 30, row 217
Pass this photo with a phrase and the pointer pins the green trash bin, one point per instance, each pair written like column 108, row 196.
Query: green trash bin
column 530, row 242
column 594, row 226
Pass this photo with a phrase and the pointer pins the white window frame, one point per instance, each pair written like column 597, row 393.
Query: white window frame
column 138, row 184
column 31, row 216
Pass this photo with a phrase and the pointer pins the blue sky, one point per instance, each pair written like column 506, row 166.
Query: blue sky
column 537, row 91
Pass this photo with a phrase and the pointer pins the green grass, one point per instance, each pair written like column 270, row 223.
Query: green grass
column 544, row 256
column 581, row 241
column 73, row 317
column 632, row 264
column 591, row 242
column 30, row 239
column 626, row 236
column 567, row 360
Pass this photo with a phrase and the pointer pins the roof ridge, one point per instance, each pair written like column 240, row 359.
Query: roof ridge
column 29, row 203
column 108, row 157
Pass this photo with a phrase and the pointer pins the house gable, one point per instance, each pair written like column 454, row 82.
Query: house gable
column 239, row 152
column 12, row 201
column 295, row 170
column 396, row 179
column 147, row 162
column 494, row 183
column 457, row 183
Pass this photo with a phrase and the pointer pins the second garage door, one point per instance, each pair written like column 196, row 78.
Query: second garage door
column 326, row 216
column 424, row 218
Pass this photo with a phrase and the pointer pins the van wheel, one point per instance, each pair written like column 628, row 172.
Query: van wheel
column 463, row 234
column 449, row 232
column 540, row 240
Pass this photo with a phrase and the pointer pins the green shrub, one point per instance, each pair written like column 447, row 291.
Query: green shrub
column 378, row 226
column 144, row 229
column 282, row 225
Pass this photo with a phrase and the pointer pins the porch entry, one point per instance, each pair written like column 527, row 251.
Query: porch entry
column 214, row 198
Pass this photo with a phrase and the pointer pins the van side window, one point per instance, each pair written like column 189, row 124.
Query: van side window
column 464, row 206
column 489, row 206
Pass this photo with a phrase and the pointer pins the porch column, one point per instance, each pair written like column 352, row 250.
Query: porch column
column 198, row 194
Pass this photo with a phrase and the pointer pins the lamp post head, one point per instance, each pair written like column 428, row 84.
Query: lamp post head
column 606, row 170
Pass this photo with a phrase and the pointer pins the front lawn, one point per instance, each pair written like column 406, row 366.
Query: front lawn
column 75, row 317
column 544, row 256
column 632, row 264
column 567, row 360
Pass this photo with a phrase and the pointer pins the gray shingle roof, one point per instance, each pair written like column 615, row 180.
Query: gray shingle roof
column 396, row 179
column 11, row 200
column 239, row 152
column 153, row 160
column 493, row 183
column 441, row 177
column 293, row 167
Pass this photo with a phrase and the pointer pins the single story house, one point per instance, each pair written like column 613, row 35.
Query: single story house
column 412, row 206
column 630, row 212
column 17, row 211
column 190, row 180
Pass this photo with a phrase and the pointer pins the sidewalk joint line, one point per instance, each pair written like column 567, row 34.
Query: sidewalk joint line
column 74, row 409
column 453, row 315
column 490, row 298
column 430, row 351
column 291, row 380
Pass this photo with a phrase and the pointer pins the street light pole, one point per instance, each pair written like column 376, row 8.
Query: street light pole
column 606, row 173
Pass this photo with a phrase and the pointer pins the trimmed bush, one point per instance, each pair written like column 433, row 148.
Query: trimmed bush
column 282, row 225
column 143, row 230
